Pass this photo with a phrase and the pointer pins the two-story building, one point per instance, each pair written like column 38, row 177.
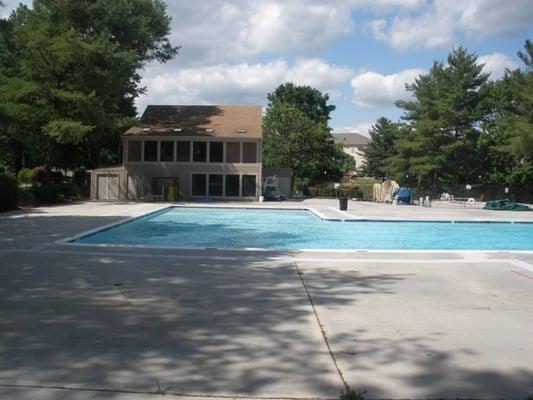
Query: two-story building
column 353, row 144
column 187, row 152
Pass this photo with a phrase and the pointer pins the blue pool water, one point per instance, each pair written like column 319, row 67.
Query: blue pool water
column 298, row 229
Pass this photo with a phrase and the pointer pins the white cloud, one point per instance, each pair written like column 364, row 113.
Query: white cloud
column 495, row 64
column 240, row 83
column 319, row 74
column 438, row 24
column 283, row 27
column 363, row 128
column 489, row 17
column 426, row 31
column 372, row 89
column 218, row 31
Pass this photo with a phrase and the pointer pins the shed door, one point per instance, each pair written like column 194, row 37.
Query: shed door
column 107, row 187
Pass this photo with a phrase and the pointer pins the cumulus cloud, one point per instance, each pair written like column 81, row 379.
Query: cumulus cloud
column 242, row 83
column 426, row 31
column 495, row 64
column 363, row 128
column 489, row 17
column 438, row 24
column 218, row 31
column 372, row 89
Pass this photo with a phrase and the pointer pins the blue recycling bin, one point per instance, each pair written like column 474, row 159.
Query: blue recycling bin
column 404, row 196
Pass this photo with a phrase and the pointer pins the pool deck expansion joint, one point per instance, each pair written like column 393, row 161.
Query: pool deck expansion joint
column 319, row 322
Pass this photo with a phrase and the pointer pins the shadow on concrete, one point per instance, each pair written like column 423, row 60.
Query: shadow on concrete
column 423, row 368
column 115, row 318
column 418, row 362
column 237, row 325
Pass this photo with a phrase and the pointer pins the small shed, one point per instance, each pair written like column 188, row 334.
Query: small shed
column 108, row 183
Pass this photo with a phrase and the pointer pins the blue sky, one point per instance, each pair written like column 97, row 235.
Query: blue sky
column 361, row 52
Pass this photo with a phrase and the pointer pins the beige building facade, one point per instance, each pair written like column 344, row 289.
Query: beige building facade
column 187, row 153
column 353, row 144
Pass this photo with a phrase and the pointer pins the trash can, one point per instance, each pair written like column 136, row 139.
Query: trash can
column 343, row 203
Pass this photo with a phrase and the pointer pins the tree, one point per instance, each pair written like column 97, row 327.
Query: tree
column 305, row 98
column 69, row 75
column 292, row 140
column 381, row 148
column 508, row 137
column 439, row 147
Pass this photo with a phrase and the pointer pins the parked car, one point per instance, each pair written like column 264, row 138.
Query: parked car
column 274, row 195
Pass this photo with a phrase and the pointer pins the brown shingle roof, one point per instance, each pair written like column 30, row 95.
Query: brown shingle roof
column 351, row 139
column 221, row 121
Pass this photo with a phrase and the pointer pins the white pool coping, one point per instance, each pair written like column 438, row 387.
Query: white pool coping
column 74, row 240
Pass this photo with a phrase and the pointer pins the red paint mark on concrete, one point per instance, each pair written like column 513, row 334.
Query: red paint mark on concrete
column 524, row 274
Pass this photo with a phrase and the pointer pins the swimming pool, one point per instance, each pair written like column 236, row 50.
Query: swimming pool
column 181, row 227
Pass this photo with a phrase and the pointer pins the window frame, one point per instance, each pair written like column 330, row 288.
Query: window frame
column 140, row 143
column 226, row 185
column 173, row 143
column 243, row 176
column 243, row 156
column 216, row 142
column 205, row 184
column 221, row 175
column 204, row 143
column 239, row 157
column 186, row 144
column 156, row 150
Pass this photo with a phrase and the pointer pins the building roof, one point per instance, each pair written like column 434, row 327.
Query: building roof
column 217, row 121
column 351, row 139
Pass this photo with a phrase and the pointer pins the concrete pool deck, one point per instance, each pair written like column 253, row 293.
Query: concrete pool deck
column 121, row 323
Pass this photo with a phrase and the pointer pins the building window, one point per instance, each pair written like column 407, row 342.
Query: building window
column 248, row 186
column 216, row 152
column 199, row 152
column 183, row 151
column 215, row 185
column 249, row 152
column 134, row 150
column 167, row 151
column 233, row 152
column 199, row 184
column 150, row 150
column 232, row 185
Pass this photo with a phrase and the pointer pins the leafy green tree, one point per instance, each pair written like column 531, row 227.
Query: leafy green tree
column 439, row 148
column 381, row 148
column 69, row 75
column 292, row 140
column 309, row 100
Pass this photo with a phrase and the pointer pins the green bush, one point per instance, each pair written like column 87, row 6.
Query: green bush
column 8, row 192
column 25, row 197
column 327, row 190
column 300, row 184
column 352, row 192
column 25, row 175
column 53, row 192
column 365, row 187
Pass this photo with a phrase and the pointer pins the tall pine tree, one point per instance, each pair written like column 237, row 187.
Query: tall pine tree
column 381, row 148
column 439, row 149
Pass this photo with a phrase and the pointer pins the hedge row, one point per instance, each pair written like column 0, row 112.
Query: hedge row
column 8, row 192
